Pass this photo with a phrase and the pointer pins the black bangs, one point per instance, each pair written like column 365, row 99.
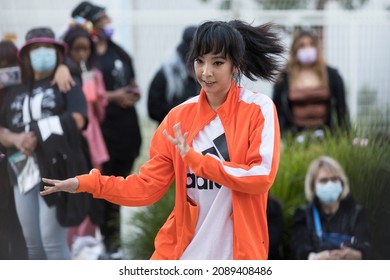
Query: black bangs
column 216, row 37
column 212, row 41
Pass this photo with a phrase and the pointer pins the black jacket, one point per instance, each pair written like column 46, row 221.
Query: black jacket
column 120, row 127
column 350, row 219
column 158, row 104
column 59, row 154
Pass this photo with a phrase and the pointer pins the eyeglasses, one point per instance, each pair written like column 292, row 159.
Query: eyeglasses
column 327, row 179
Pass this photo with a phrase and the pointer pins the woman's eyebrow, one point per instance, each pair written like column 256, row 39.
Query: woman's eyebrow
column 218, row 57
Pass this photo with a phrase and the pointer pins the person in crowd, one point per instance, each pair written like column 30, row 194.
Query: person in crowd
column 40, row 131
column 174, row 82
column 12, row 243
column 309, row 94
column 332, row 226
column 275, row 227
column 79, row 60
column 221, row 147
column 120, row 127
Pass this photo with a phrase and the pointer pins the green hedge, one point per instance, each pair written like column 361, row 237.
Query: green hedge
column 140, row 243
column 367, row 166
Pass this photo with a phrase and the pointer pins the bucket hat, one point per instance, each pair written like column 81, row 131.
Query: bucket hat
column 41, row 35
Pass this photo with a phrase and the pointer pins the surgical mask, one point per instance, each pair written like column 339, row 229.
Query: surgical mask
column 108, row 30
column 43, row 59
column 307, row 55
column 329, row 192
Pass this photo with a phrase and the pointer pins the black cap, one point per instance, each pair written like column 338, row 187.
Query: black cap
column 188, row 35
column 88, row 11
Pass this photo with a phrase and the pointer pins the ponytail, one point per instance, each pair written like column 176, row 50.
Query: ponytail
column 262, row 50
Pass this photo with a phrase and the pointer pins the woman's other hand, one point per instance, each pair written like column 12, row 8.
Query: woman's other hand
column 69, row 185
column 180, row 141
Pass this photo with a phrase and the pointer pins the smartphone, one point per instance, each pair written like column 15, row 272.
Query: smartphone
column 10, row 76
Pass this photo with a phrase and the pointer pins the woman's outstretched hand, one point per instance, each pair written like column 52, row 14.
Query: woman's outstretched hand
column 69, row 185
column 180, row 141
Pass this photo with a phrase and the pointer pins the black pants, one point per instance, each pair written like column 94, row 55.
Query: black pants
column 110, row 229
column 12, row 243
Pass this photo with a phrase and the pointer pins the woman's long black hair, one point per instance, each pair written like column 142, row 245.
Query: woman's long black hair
column 254, row 50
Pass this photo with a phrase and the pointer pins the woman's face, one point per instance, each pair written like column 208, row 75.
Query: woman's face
column 214, row 73
column 304, row 42
column 306, row 51
column 81, row 50
column 325, row 175
column 101, row 24
column 328, row 186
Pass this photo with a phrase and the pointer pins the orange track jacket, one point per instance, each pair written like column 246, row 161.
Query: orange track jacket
column 253, row 139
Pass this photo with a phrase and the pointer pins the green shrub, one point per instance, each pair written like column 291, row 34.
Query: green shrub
column 147, row 222
column 366, row 166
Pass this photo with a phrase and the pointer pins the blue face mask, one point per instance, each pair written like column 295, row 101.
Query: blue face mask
column 329, row 192
column 43, row 59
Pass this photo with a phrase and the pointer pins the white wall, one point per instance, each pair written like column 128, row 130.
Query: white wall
column 149, row 29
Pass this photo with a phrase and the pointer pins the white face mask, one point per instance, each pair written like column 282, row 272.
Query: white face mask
column 307, row 55
column 329, row 192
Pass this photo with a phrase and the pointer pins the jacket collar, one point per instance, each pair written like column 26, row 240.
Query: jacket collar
column 205, row 114
column 225, row 110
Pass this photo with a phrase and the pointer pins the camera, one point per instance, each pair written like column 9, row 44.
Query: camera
column 10, row 76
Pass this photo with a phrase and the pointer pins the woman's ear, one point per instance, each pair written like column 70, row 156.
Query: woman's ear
column 235, row 71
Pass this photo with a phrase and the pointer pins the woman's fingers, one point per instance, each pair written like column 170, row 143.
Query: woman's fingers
column 48, row 190
column 174, row 141
column 177, row 131
column 169, row 137
column 50, row 181
column 180, row 141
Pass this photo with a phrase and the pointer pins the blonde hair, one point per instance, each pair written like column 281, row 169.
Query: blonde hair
column 312, row 173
